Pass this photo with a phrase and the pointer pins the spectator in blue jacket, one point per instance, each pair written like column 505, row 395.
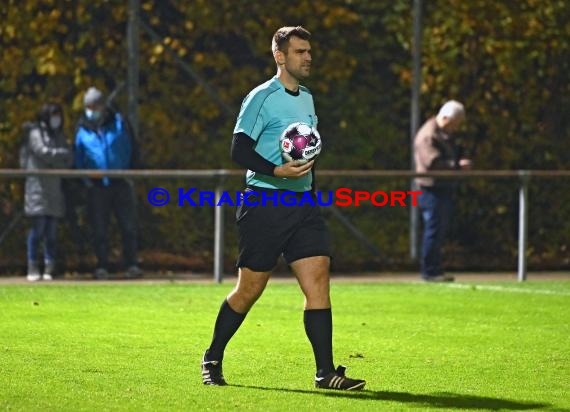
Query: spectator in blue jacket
column 104, row 141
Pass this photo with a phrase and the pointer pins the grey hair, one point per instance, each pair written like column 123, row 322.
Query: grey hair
column 452, row 109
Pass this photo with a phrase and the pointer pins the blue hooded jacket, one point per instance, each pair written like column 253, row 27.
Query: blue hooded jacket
column 104, row 147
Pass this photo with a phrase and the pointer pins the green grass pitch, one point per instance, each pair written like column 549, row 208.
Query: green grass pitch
column 137, row 347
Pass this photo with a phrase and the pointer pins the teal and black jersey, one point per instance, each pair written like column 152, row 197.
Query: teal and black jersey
column 265, row 113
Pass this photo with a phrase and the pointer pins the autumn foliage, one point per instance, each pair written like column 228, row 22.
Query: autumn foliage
column 507, row 61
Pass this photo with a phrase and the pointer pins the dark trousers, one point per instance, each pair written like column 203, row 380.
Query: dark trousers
column 436, row 207
column 74, row 191
column 119, row 199
column 44, row 228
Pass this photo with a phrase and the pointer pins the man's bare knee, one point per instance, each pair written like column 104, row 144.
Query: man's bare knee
column 249, row 288
column 314, row 279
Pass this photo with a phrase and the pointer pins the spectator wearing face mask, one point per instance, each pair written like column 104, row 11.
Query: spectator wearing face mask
column 44, row 148
column 104, row 141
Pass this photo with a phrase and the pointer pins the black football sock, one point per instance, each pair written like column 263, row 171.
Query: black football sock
column 318, row 327
column 227, row 324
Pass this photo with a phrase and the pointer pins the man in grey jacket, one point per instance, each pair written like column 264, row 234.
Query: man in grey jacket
column 44, row 148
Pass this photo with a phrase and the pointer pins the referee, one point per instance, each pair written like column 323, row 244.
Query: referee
column 266, row 232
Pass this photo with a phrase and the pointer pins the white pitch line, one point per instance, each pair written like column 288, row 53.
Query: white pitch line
column 506, row 289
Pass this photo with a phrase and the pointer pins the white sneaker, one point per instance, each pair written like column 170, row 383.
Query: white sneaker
column 33, row 277
column 48, row 270
column 33, row 271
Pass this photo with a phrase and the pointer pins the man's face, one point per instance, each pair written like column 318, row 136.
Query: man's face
column 94, row 111
column 298, row 58
column 98, row 106
column 451, row 125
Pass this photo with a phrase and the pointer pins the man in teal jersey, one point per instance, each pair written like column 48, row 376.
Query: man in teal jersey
column 267, row 231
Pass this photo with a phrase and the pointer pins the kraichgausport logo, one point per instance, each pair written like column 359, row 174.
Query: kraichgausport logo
column 342, row 197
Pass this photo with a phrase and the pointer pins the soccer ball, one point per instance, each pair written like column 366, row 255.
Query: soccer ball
column 300, row 141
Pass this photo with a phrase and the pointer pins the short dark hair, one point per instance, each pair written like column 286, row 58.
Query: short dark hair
column 282, row 36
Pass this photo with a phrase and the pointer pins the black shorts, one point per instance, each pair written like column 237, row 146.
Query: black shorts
column 268, row 229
